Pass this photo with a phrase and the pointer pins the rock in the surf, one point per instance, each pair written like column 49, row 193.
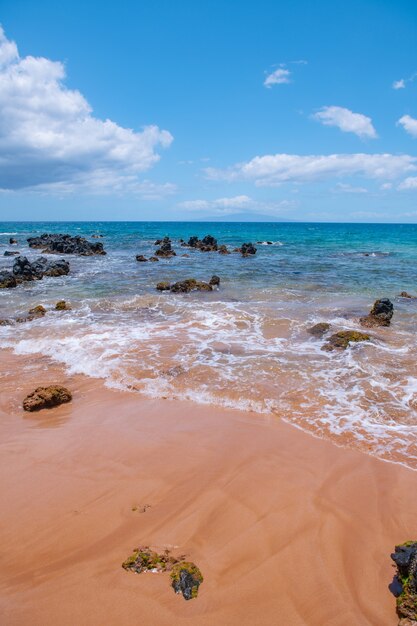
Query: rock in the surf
column 318, row 330
column 380, row 314
column 7, row 280
column 46, row 398
column 405, row 558
column 65, row 244
column 342, row 339
column 11, row 253
column 62, row 305
column 214, row 281
column 403, row 294
column 247, row 249
column 165, row 251
column 24, row 270
column 37, row 311
column 12, row 241
column 163, row 286
column 190, row 284
column 141, row 258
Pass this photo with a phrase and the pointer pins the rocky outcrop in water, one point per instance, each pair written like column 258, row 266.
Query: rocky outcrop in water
column 247, row 249
column 141, row 258
column 12, row 241
column 65, row 244
column 190, row 284
column 405, row 558
column 207, row 244
column 165, row 250
column 185, row 286
column 318, row 330
column 46, row 398
column 380, row 314
column 153, row 259
column 24, row 270
column 342, row 339
column 223, row 249
column 185, row 576
column 7, row 280
column 11, row 253
column 37, row 311
column 62, row 305
column 403, row 294
column 214, row 281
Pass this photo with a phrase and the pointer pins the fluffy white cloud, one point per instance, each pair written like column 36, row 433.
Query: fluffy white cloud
column 409, row 124
column 278, row 77
column 270, row 170
column 235, row 204
column 49, row 137
column 347, row 121
column 408, row 183
column 399, row 84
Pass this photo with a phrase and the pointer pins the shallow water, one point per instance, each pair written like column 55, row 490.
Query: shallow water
column 245, row 345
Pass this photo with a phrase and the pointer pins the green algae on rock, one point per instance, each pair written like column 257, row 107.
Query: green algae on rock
column 405, row 558
column 186, row 579
column 185, row 576
column 62, row 305
column 318, row 330
column 342, row 339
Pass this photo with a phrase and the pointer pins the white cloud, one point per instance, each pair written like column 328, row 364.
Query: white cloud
column 49, row 136
column 274, row 169
column 399, row 84
column 409, row 124
column 347, row 121
column 386, row 186
column 346, row 188
column 408, row 183
column 235, row 204
column 278, row 77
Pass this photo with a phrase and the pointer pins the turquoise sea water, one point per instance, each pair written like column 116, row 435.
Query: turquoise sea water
column 244, row 345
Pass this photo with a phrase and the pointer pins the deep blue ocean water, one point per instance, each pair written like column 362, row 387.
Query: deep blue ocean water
column 245, row 345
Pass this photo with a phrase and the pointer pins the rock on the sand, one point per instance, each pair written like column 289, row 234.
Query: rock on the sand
column 46, row 398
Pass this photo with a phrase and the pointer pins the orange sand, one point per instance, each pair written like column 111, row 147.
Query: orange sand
column 287, row 529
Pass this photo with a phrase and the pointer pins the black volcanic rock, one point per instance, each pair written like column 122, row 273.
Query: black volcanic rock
column 65, row 244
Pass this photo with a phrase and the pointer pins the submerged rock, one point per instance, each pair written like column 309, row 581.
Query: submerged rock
column 223, row 249
column 153, row 259
column 12, row 241
column 190, row 284
column 65, row 244
column 163, row 286
column 7, row 280
column 403, row 294
column 46, row 398
column 380, row 314
column 318, row 330
column 405, row 558
column 62, row 305
column 11, row 253
column 247, row 249
column 186, row 579
column 140, row 257
column 342, row 339
column 37, row 311
column 214, row 281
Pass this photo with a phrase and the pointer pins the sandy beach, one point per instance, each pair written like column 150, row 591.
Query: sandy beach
column 286, row 528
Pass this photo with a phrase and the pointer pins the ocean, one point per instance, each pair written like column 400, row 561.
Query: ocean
column 246, row 344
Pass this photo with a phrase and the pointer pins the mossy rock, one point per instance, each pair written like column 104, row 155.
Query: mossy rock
column 342, row 339
column 186, row 579
column 37, row 311
column 146, row 560
column 318, row 330
column 405, row 558
column 46, row 398
column 61, row 305
column 163, row 286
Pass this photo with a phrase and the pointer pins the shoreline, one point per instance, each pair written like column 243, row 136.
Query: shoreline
column 285, row 527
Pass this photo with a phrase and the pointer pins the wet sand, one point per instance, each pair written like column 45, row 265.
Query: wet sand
column 287, row 529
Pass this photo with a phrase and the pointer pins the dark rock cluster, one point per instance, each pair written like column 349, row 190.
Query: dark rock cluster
column 65, row 244
column 165, row 250
column 380, row 314
column 405, row 558
column 23, row 270
column 342, row 339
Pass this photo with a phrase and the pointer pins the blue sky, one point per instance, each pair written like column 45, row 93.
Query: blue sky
column 220, row 109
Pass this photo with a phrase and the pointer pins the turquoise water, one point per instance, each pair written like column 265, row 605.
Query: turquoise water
column 245, row 345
